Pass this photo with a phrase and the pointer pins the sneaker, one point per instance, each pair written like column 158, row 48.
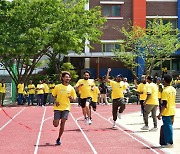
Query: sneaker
column 90, row 121
column 58, row 141
column 167, row 146
column 154, row 129
column 145, row 128
column 119, row 115
column 114, row 124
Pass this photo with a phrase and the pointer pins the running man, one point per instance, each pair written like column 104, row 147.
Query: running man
column 84, row 87
column 167, row 112
column 117, row 95
column 63, row 94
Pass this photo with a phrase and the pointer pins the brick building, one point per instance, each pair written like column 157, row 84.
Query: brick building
column 118, row 14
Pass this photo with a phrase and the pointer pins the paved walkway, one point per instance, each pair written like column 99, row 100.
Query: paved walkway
column 134, row 122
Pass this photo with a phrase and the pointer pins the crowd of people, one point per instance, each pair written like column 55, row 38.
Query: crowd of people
column 152, row 93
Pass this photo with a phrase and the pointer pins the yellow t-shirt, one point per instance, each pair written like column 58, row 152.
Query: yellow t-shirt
column 40, row 89
column 31, row 89
column 85, row 90
column 2, row 88
column 95, row 93
column 62, row 92
column 46, row 88
column 169, row 94
column 51, row 87
column 152, row 89
column 117, row 89
column 159, row 90
column 20, row 88
column 142, row 88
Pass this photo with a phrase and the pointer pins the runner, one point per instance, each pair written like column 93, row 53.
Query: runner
column 63, row 93
column 117, row 95
column 167, row 112
column 84, row 87
column 95, row 96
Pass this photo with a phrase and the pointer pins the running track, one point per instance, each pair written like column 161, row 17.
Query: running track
column 31, row 131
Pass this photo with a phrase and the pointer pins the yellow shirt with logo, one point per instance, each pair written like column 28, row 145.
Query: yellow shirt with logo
column 51, row 87
column 85, row 90
column 142, row 88
column 117, row 89
column 169, row 95
column 20, row 88
column 61, row 93
column 40, row 89
column 46, row 88
column 2, row 88
column 31, row 89
column 152, row 89
column 95, row 93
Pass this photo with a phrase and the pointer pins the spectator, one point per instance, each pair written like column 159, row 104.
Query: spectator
column 2, row 92
column 20, row 88
column 103, row 92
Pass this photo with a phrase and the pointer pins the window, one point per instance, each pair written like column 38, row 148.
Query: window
column 165, row 21
column 111, row 10
column 109, row 47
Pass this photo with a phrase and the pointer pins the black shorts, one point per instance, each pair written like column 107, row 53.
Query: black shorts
column 93, row 104
column 84, row 100
column 60, row 114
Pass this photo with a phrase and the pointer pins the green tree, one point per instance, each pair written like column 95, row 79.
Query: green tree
column 29, row 28
column 153, row 44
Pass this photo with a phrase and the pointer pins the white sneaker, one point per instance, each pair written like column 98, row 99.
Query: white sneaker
column 119, row 115
column 114, row 124
column 90, row 121
column 145, row 128
column 154, row 129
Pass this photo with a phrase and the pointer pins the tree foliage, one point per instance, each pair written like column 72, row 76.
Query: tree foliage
column 29, row 27
column 153, row 44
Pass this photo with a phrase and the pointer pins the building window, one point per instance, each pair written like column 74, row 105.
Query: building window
column 109, row 47
column 111, row 10
column 165, row 21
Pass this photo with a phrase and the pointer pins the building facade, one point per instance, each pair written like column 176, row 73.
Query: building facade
column 118, row 14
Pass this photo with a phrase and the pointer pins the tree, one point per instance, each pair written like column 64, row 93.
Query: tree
column 153, row 44
column 29, row 28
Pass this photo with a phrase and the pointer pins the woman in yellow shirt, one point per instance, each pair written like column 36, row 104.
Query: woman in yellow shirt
column 2, row 92
column 20, row 88
column 31, row 92
column 40, row 94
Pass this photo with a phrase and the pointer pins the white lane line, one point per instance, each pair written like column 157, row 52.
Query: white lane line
column 40, row 130
column 11, row 119
column 90, row 144
column 48, row 118
column 128, row 134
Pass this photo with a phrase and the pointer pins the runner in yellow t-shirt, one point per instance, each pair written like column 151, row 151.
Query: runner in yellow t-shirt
column 2, row 92
column 94, row 101
column 167, row 112
column 31, row 92
column 84, row 87
column 63, row 94
column 117, row 95
column 20, row 88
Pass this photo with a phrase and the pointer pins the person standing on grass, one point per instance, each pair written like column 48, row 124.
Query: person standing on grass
column 117, row 95
column 31, row 92
column 150, row 104
column 63, row 94
column 84, row 87
column 2, row 92
column 167, row 112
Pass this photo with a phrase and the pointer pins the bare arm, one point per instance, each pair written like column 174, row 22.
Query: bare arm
column 107, row 75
